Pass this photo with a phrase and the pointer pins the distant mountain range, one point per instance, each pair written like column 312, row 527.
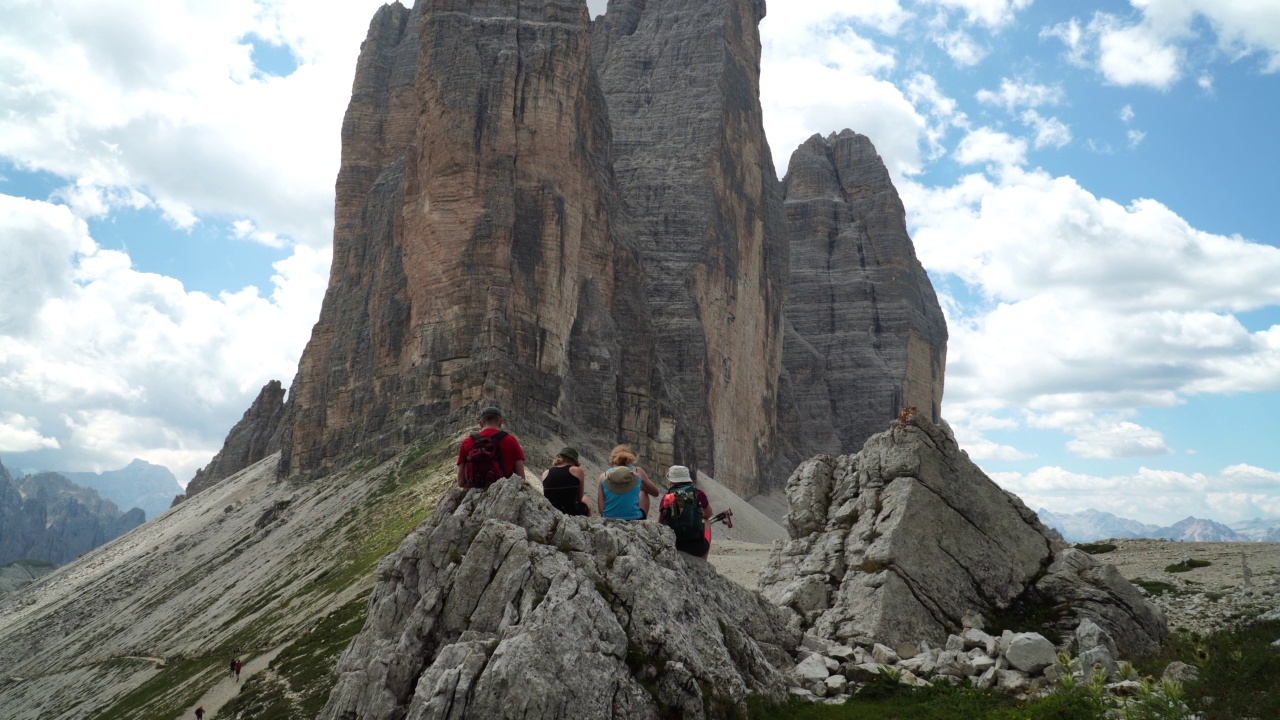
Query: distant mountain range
column 1091, row 525
column 49, row 519
column 139, row 484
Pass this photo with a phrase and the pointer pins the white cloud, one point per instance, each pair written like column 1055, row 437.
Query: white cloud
column 985, row 145
column 1050, row 132
column 115, row 363
column 21, row 434
column 1126, row 114
column 1135, row 55
column 1015, row 94
column 1159, row 497
column 1136, row 137
column 961, row 47
column 115, row 91
column 1092, row 309
column 1154, row 50
column 810, row 48
column 993, row 14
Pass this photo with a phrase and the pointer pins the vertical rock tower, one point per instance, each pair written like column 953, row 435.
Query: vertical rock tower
column 682, row 80
column 479, row 248
column 582, row 221
column 866, row 335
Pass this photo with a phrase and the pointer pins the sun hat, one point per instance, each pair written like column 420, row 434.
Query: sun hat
column 620, row 480
column 677, row 474
column 492, row 411
column 569, row 454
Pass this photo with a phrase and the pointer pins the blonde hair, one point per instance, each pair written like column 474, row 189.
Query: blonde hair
column 622, row 456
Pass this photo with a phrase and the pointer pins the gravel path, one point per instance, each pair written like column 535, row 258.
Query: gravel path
column 227, row 688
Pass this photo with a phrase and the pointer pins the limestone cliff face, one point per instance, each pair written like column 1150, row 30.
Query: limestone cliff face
column 480, row 253
column 682, row 81
column 865, row 336
column 256, row 436
column 583, row 224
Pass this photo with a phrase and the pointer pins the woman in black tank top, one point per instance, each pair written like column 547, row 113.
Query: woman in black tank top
column 562, row 484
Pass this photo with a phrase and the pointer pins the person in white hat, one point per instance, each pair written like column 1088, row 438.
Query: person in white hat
column 685, row 509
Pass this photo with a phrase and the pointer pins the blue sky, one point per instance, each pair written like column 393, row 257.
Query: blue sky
column 1089, row 185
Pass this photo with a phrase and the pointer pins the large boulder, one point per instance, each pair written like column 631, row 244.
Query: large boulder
column 901, row 541
column 498, row 606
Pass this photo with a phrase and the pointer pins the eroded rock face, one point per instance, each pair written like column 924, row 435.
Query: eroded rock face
column 682, row 81
column 865, row 334
column 498, row 606
column 256, row 436
column 903, row 540
column 480, row 252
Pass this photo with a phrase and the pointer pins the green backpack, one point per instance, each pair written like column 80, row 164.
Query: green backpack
column 683, row 514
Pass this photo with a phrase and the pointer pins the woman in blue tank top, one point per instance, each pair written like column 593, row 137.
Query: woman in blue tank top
column 624, row 489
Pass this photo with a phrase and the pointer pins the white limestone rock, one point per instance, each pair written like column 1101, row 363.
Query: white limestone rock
column 813, row 668
column 897, row 542
column 1031, row 652
column 494, row 605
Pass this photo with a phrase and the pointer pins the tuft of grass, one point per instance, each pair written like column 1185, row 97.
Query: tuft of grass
column 1095, row 548
column 1155, row 587
column 1187, row 566
column 1238, row 671
column 882, row 700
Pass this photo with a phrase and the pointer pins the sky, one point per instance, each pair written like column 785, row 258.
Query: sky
column 1089, row 184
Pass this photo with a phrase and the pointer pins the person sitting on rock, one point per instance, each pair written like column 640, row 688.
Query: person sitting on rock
column 686, row 510
column 489, row 455
column 563, row 484
column 624, row 488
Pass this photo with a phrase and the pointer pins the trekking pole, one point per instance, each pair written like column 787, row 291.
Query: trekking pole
column 725, row 517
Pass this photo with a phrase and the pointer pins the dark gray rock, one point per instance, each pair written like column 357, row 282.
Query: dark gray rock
column 681, row 78
column 498, row 606
column 257, row 435
column 865, row 333
column 481, row 250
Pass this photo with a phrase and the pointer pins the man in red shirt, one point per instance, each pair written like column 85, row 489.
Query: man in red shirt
column 510, row 454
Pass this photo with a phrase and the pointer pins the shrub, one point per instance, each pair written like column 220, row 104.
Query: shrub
column 1186, row 566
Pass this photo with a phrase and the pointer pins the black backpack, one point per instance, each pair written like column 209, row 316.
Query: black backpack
column 483, row 464
column 683, row 514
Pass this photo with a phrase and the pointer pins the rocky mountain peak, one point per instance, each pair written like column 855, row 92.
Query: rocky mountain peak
column 256, row 436
column 865, row 333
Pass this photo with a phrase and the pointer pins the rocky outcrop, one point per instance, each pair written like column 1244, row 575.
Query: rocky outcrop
column 17, row 575
column 682, row 81
column 48, row 518
column 903, row 540
column 480, row 250
column 497, row 606
column 865, row 334
column 256, row 436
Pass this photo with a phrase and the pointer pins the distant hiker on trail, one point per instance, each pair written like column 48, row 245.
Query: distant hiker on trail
column 234, row 663
column 563, row 484
column 489, row 455
column 237, row 666
column 686, row 510
column 200, row 713
column 624, row 489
